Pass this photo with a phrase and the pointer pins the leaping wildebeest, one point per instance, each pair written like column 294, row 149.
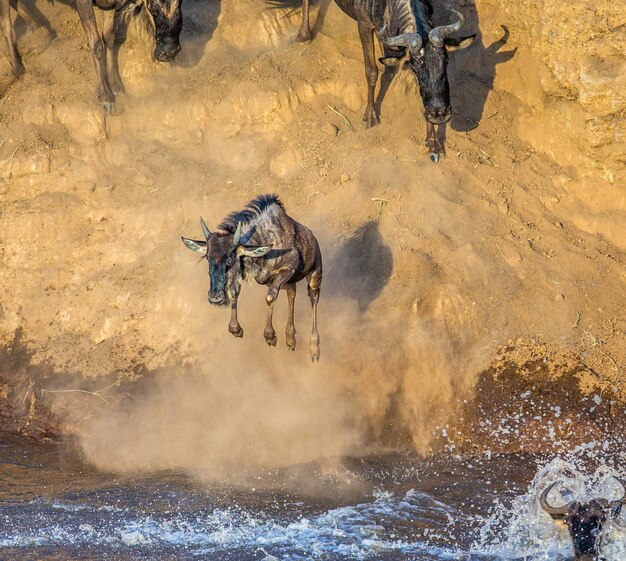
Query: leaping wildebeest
column 262, row 242
column 409, row 39
column 584, row 521
column 167, row 21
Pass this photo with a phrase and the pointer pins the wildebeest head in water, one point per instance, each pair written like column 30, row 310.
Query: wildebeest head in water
column 584, row 521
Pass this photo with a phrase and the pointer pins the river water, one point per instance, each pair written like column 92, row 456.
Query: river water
column 387, row 507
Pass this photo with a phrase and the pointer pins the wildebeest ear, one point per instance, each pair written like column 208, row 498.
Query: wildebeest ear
column 458, row 44
column 253, row 250
column 195, row 245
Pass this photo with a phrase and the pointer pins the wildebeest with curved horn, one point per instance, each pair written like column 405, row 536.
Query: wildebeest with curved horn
column 264, row 243
column 405, row 29
column 165, row 15
column 584, row 521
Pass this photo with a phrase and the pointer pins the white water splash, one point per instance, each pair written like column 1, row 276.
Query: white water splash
column 525, row 531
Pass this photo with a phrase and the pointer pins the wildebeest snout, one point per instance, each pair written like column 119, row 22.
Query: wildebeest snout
column 218, row 298
column 166, row 51
column 439, row 115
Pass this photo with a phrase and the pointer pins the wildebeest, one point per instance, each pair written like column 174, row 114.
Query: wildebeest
column 584, row 521
column 165, row 15
column 263, row 243
column 405, row 29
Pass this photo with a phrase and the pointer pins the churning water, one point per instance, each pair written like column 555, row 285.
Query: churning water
column 380, row 508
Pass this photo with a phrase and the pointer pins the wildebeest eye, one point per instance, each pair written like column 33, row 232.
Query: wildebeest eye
column 230, row 261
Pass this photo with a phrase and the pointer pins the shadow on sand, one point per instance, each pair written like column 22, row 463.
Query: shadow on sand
column 362, row 266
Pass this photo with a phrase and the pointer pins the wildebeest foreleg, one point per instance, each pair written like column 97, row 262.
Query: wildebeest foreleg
column 371, row 72
column 88, row 20
column 268, row 332
column 314, row 283
column 112, row 49
column 290, row 332
column 234, row 326
column 435, row 149
column 304, row 33
column 9, row 35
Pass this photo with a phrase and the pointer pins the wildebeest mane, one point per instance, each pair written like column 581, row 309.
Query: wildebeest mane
column 422, row 18
column 253, row 209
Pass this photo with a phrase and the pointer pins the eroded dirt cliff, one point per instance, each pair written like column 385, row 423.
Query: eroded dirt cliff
column 428, row 269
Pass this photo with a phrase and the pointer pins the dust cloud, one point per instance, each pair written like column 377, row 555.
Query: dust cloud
column 385, row 380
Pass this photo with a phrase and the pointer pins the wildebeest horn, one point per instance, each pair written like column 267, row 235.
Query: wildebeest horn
column 621, row 501
column 556, row 510
column 438, row 35
column 412, row 41
column 205, row 229
column 236, row 236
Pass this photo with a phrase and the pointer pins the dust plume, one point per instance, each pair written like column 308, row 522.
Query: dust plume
column 386, row 378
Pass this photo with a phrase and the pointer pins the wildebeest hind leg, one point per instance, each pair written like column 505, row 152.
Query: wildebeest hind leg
column 290, row 332
column 371, row 72
column 304, row 33
column 281, row 278
column 88, row 20
column 112, row 49
column 314, row 283
column 9, row 35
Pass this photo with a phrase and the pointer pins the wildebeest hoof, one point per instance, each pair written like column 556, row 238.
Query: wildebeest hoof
column 291, row 344
column 434, row 157
column 19, row 70
column 304, row 35
column 237, row 331
column 371, row 119
column 315, row 348
column 107, row 106
column 271, row 341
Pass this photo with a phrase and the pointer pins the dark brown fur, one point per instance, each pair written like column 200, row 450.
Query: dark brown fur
column 429, row 64
column 165, row 14
column 264, row 243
